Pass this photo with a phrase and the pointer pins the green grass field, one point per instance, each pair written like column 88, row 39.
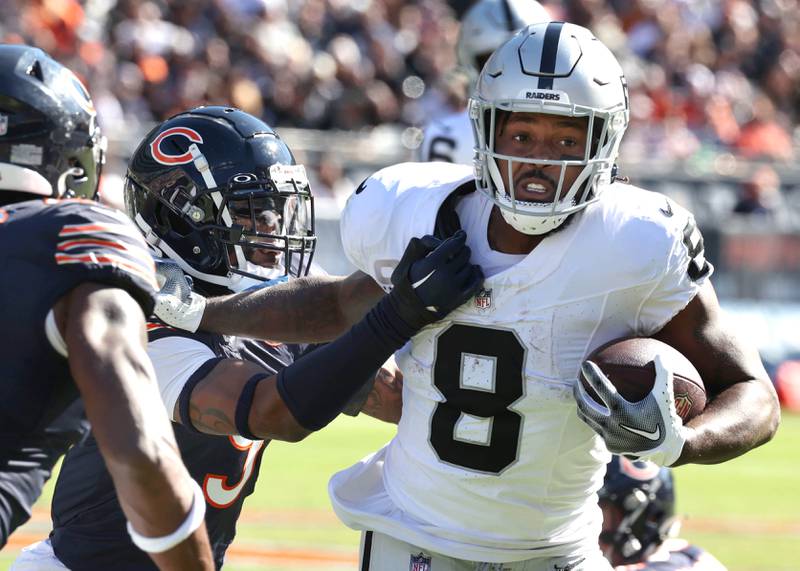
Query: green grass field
column 747, row 511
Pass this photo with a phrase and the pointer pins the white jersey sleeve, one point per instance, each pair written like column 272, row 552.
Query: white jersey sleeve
column 391, row 207
column 449, row 139
column 685, row 270
column 175, row 359
column 657, row 239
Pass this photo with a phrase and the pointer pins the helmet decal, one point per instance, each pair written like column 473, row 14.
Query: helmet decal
column 549, row 52
column 639, row 470
column 166, row 159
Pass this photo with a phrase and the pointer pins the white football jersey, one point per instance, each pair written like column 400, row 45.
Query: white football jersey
column 491, row 462
column 449, row 139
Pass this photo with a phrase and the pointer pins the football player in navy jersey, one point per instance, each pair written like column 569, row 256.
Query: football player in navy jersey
column 639, row 523
column 218, row 193
column 75, row 286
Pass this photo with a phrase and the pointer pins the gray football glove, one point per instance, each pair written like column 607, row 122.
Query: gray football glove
column 648, row 430
column 176, row 304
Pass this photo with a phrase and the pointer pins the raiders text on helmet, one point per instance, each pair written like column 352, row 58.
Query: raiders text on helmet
column 217, row 191
column 560, row 69
column 50, row 143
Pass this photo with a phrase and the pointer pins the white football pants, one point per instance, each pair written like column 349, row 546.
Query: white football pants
column 380, row 552
column 38, row 556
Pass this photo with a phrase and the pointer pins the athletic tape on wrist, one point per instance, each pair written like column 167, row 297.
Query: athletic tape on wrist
column 193, row 521
column 244, row 404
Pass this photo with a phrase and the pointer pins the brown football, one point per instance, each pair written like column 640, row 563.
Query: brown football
column 629, row 364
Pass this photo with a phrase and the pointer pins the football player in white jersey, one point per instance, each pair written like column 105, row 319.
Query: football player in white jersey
column 492, row 466
column 484, row 27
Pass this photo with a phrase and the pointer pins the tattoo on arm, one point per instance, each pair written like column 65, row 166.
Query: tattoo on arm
column 211, row 421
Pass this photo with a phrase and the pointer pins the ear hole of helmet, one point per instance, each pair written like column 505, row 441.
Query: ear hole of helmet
column 172, row 222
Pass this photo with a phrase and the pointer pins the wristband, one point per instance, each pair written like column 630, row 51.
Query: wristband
column 244, row 404
column 193, row 521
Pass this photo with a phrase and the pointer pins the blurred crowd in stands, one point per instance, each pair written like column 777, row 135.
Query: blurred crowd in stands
column 704, row 75
column 711, row 82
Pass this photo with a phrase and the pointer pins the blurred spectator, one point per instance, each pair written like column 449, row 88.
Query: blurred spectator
column 705, row 76
column 761, row 194
column 330, row 183
column 787, row 384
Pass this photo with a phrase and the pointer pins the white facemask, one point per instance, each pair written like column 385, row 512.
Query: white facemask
column 272, row 276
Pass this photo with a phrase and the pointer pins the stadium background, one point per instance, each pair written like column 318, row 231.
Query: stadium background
column 715, row 100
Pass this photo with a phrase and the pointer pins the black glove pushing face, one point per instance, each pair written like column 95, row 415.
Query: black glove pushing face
column 433, row 278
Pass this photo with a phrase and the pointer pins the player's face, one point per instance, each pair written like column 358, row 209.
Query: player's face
column 540, row 136
column 266, row 223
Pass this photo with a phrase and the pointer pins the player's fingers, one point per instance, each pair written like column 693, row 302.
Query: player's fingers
column 429, row 242
column 452, row 246
column 599, row 382
column 586, row 402
column 460, row 259
column 590, row 420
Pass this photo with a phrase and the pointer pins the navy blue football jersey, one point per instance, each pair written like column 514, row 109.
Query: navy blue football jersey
column 25, row 470
column 47, row 248
column 88, row 523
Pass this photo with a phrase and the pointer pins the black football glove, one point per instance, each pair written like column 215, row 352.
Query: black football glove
column 433, row 278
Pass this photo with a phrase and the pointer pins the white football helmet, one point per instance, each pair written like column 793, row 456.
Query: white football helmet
column 488, row 24
column 554, row 68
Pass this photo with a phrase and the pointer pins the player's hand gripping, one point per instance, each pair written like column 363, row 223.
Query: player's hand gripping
column 176, row 304
column 433, row 278
column 649, row 429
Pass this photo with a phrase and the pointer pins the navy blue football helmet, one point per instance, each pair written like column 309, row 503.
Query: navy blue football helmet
column 643, row 495
column 217, row 191
column 50, row 142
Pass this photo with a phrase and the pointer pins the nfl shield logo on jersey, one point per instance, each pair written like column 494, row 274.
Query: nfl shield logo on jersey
column 483, row 299
column 683, row 403
column 3, row 124
column 420, row 562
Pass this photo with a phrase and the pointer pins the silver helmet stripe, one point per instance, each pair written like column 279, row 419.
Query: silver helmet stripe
column 547, row 67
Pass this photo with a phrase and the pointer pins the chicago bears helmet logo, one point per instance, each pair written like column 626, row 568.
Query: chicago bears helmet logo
column 167, row 159
column 638, row 469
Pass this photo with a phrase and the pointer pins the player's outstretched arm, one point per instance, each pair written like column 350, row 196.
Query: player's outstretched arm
column 743, row 411
column 313, row 309
column 432, row 279
column 104, row 331
column 307, row 310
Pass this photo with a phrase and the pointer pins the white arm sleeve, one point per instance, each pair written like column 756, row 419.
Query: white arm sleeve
column 175, row 359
